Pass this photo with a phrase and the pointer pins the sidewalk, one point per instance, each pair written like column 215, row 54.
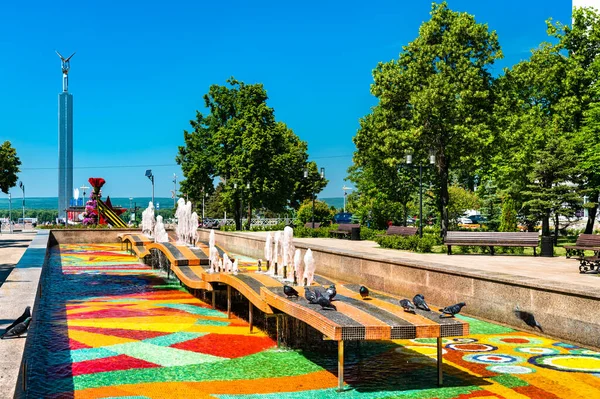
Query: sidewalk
column 17, row 290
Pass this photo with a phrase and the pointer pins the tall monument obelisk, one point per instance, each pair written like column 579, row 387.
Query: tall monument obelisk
column 65, row 141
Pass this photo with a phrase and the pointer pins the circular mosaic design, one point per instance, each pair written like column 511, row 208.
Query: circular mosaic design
column 565, row 345
column 510, row 369
column 472, row 347
column 464, row 340
column 515, row 340
column 584, row 352
column 537, row 351
column 493, row 359
column 572, row 363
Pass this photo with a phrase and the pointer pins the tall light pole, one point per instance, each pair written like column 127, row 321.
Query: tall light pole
column 174, row 189
column 10, row 226
column 345, row 193
column 22, row 186
column 313, row 194
column 150, row 176
column 430, row 164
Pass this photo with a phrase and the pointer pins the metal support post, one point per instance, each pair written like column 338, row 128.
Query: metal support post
column 313, row 210
column 229, row 302
column 340, row 365
column 214, row 299
column 440, row 361
column 250, row 316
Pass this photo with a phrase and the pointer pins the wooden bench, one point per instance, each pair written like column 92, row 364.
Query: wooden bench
column 584, row 241
column 344, row 230
column 400, row 231
column 491, row 239
column 309, row 225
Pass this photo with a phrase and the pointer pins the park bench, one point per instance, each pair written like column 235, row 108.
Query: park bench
column 309, row 225
column 584, row 241
column 344, row 230
column 491, row 239
column 400, row 231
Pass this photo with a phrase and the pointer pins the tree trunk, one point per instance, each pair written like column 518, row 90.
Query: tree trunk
column 592, row 212
column 249, row 213
column 555, row 228
column 546, row 224
column 237, row 214
column 444, row 195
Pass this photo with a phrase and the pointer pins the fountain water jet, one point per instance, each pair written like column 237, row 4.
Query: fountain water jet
column 309, row 268
column 148, row 220
column 160, row 234
column 268, row 250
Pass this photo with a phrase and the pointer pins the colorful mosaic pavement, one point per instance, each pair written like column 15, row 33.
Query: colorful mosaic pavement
column 110, row 327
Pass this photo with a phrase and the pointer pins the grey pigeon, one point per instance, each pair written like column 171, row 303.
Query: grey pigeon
column 407, row 305
column 325, row 303
column 310, row 296
column 419, row 301
column 17, row 330
column 290, row 291
column 330, row 292
column 528, row 318
column 363, row 291
column 26, row 314
column 450, row 311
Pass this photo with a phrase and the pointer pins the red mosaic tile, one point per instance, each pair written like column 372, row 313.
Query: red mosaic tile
column 237, row 345
column 115, row 312
column 114, row 363
column 73, row 345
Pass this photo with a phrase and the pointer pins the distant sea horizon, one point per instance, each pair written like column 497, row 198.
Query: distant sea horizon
column 51, row 203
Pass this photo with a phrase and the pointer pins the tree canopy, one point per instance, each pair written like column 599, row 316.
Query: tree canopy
column 259, row 160
column 9, row 166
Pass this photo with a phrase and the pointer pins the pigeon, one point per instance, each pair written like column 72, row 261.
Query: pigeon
column 18, row 329
column 330, row 292
column 450, row 311
column 325, row 303
column 290, row 291
column 419, row 301
column 528, row 318
column 310, row 296
column 363, row 291
column 407, row 305
column 26, row 314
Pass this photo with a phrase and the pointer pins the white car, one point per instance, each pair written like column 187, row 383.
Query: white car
column 465, row 220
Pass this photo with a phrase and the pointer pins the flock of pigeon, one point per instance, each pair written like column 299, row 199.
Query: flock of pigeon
column 324, row 299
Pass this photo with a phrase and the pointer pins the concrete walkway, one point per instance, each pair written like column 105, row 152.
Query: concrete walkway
column 21, row 259
column 556, row 272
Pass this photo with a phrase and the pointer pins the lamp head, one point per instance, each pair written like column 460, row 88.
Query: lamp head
column 148, row 172
column 305, row 173
column 322, row 173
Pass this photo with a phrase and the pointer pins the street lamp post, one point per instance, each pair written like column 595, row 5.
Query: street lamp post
column 10, row 226
column 410, row 164
column 313, row 195
column 22, row 186
column 174, row 189
column 150, row 176
column 345, row 194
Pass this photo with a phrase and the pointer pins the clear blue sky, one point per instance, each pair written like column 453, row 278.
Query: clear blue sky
column 142, row 67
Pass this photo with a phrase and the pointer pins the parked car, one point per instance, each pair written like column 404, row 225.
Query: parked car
column 478, row 219
column 465, row 220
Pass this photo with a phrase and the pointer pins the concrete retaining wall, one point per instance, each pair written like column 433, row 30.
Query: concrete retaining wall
column 567, row 312
column 84, row 236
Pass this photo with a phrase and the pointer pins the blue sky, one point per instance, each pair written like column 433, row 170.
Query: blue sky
column 141, row 69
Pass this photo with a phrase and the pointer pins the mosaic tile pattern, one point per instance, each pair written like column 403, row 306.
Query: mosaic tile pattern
column 108, row 327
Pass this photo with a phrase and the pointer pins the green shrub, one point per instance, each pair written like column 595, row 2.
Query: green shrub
column 410, row 243
column 367, row 233
column 304, row 232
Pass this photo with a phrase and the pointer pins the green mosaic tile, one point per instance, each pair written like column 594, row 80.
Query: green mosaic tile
column 212, row 323
column 196, row 310
column 509, row 381
column 164, row 356
column 483, row 327
column 171, row 339
column 266, row 364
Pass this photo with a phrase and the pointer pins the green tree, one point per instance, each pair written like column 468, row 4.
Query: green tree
column 461, row 200
column 9, row 167
column 508, row 219
column 260, row 160
column 438, row 97
column 322, row 212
